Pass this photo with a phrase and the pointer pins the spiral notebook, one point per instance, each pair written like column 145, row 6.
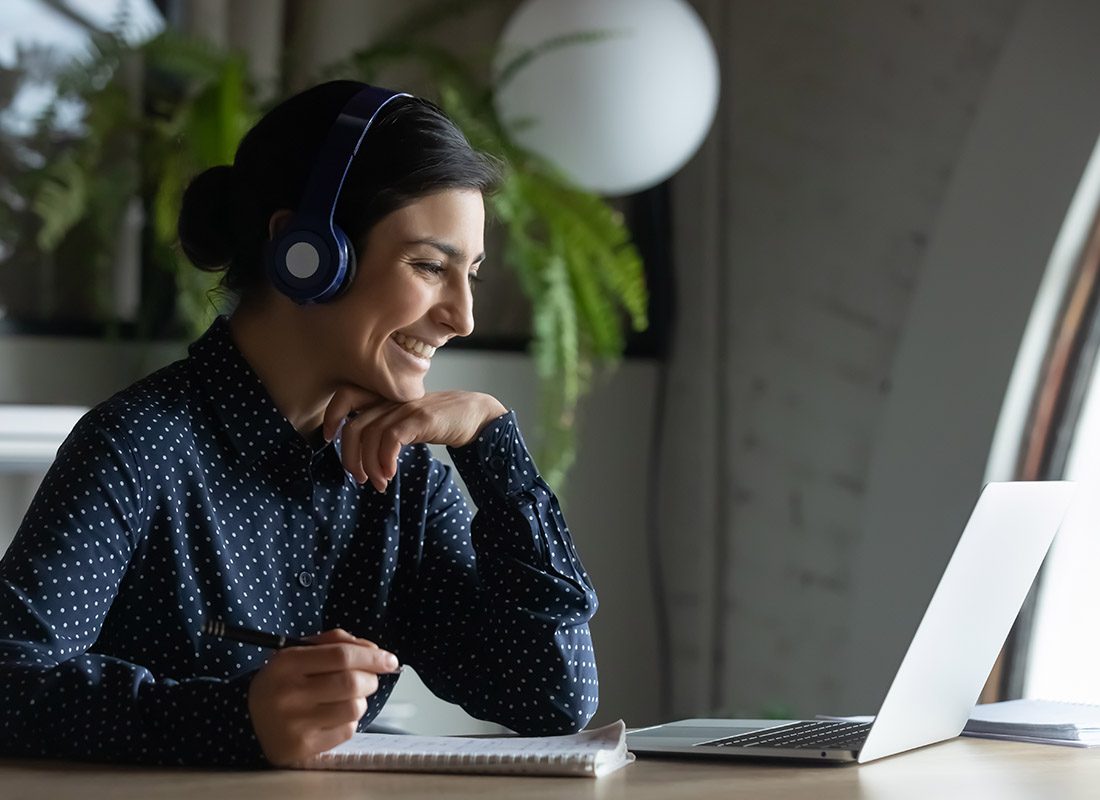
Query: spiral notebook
column 590, row 754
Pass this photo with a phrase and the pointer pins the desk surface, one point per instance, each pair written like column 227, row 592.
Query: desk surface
column 970, row 768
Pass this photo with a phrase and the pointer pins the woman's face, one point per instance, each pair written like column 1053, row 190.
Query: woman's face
column 410, row 296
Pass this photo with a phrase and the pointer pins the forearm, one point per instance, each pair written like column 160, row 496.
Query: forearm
column 526, row 603
column 104, row 709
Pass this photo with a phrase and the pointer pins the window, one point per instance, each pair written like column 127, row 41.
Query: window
column 1053, row 651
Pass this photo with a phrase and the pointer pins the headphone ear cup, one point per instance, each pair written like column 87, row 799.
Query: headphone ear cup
column 301, row 263
column 347, row 253
column 318, row 262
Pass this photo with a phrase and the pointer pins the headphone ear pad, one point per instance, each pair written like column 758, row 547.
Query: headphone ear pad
column 347, row 253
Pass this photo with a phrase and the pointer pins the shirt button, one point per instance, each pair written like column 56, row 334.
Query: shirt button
column 305, row 578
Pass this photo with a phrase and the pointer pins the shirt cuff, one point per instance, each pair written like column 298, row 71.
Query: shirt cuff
column 497, row 459
column 249, row 752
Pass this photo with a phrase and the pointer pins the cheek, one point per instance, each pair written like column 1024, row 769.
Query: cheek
column 377, row 307
column 404, row 302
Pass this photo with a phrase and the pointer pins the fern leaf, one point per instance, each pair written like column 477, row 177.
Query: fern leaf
column 61, row 202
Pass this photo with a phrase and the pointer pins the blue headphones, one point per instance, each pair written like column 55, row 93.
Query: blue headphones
column 312, row 260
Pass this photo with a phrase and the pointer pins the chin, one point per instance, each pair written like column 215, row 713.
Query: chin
column 403, row 394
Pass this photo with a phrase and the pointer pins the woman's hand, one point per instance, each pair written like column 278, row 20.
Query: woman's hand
column 308, row 699
column 371, row 440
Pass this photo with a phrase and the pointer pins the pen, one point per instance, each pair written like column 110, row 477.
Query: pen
column 235, row 633
column 223, row 630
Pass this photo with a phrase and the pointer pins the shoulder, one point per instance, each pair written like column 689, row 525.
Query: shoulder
column 158, row 403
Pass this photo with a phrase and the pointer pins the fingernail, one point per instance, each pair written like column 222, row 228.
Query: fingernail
column 391, row 662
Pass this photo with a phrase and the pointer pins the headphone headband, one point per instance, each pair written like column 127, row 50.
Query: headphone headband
column 313, row 259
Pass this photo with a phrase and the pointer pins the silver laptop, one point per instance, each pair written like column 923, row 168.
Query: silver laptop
column 948, row 660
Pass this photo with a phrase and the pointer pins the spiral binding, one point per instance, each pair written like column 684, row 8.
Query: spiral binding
column 504, row 763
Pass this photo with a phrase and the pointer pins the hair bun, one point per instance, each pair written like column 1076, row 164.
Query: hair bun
column 209, row 214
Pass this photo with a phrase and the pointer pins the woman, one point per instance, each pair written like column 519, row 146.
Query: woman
column 279, row 479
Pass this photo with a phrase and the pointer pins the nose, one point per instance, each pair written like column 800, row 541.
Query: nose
column 455, row 309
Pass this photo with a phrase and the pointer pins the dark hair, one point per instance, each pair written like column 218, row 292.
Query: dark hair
column 411, row 150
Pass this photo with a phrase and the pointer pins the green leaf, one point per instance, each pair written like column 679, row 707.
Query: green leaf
column 525, row 57
column 61, row 201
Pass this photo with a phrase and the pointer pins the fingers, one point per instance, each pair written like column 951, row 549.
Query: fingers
column 334, row 415
column 308, row 699
column 337, row 635
column 351, row 448
column 389, row 448
column 342, row 712
column 338, row 657
column 372, row 442
column 344, row 402
column 368, row 455
column 382, row 442
column 333, row 687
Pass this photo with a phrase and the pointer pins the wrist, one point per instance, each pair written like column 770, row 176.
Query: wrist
column 489, row 409
column 494, row 409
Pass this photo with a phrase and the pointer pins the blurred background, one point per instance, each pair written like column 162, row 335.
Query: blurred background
column 869, row 235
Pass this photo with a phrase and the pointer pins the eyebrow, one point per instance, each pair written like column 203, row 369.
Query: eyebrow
column 448, row 249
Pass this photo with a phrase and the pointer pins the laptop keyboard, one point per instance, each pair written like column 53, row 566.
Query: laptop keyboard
column 811, row 734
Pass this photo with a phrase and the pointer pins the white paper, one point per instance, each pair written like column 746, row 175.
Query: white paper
column 1039, row 712
column 577, row 743
column 602, row 749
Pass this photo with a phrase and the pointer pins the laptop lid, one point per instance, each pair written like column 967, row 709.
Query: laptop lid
column 970, row 614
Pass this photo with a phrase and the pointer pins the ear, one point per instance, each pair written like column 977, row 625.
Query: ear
column 278, row 222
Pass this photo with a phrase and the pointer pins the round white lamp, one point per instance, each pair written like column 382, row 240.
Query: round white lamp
column 617, row 114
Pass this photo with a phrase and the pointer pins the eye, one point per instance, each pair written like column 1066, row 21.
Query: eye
column 433, row 267
column 475, row 279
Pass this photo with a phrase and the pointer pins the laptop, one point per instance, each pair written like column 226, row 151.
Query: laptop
column 948, row 660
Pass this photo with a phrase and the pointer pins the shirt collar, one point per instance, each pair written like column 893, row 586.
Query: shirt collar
column 248, row 415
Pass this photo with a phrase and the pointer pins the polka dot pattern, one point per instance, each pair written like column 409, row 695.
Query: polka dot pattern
column 190, row 496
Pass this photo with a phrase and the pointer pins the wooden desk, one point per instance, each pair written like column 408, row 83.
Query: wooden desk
column 963, row 768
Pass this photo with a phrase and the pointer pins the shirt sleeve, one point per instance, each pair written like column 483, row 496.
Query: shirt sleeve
column 502, row 602
column 57, row 582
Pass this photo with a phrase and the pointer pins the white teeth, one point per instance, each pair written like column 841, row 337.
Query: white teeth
column 422, row 349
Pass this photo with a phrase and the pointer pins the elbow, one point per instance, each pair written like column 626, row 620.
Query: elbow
column 591, row 603
column 573, row 717
column 576, row 703
column 582, row 607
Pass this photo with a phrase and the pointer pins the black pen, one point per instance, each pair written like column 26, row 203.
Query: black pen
column 223, row 630
column 235, row 633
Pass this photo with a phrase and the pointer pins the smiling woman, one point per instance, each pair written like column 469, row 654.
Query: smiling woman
column 233, row 484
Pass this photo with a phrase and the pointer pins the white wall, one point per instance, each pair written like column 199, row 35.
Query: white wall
column 1033, row 136
column 803, row 228
column 859, row 245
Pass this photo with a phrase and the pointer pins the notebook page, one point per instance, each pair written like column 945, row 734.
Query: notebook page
column 604, row 748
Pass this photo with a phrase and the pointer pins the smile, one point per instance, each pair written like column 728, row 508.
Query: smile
column 414, row 346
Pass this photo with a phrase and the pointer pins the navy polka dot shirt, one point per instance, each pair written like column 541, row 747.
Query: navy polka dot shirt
column 189, row 496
